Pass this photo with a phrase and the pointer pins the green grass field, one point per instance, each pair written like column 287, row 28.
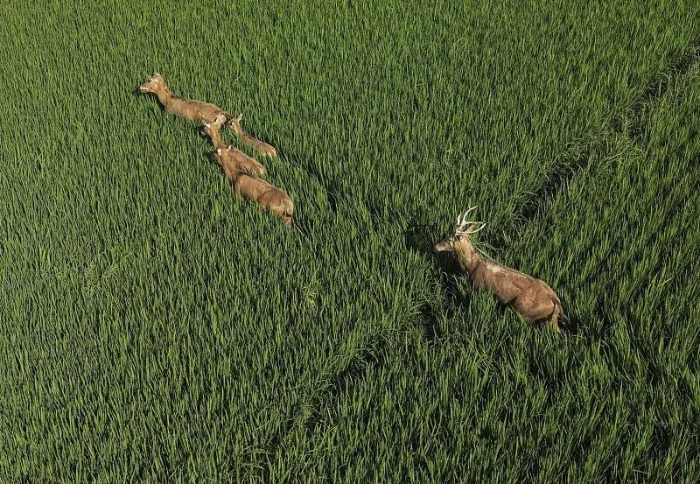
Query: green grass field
column 154, row 328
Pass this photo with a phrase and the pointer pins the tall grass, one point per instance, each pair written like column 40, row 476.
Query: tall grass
column 616, row 400
column 154, row 326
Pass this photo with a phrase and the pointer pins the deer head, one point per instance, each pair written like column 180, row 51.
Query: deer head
column 219, row 156
column 223, row 154
column 463, row 229
column 154, row 83
column 207, row 130
column 236, row 125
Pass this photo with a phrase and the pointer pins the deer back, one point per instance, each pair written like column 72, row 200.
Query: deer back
column 506, row 283
column 194, row 110
column 277, row 200
column 250, row 187
column 246, row 162
column 261, row 147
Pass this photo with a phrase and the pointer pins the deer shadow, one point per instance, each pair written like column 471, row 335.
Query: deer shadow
column 421, row 238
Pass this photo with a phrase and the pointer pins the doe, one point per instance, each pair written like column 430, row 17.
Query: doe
column 267, row 197
column 189, row 109
column 242, row 162
column 251, row 188
column 259, row 146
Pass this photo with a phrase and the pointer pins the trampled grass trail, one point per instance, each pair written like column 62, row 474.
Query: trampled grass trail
column 153, row 327
column 616, row 399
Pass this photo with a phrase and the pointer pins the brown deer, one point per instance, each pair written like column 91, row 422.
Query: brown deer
column 214, row 134
column 255, row 189
column 230, row 168
column 532, row 298
column 239, row 160
column 267, row 196
column 184, row 108
column 259, row 146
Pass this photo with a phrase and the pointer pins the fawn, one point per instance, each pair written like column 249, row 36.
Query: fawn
column 185, row 108
column 532, row 298
column 259, row 146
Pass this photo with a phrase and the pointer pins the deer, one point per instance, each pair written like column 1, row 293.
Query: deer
column 260, row 146
column 240, row 160
column 532, row 298
column 230, row 168
column 268, row 197
column 189, row 109
column 246, row 162
column 214, row 134
column 251, row 188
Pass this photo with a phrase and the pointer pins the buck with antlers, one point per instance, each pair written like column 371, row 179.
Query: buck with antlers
column 259, row 146
column 532, row 298
column 185, row 108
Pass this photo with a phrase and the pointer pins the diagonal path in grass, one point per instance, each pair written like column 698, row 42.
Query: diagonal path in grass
column 630, row 124
column 617, row 400
column 371, row 360
column 158, row 329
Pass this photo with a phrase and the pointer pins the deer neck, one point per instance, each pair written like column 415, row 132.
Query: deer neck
column 215, row 136
column 164, row 96
column 467, row 257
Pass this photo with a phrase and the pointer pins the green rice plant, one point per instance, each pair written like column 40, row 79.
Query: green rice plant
column 156, row 328
column 615, row 400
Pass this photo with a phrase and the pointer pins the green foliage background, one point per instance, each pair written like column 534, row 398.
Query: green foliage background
column 154, row 327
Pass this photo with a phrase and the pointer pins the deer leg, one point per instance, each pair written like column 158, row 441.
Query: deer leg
column 532, row 307
column 553, row 320
column 523, row 318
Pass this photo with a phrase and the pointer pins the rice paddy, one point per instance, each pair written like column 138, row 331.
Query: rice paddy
column 154, row 327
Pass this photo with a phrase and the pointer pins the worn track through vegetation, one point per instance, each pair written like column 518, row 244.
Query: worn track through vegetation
column 562, row 172
column 142, row 303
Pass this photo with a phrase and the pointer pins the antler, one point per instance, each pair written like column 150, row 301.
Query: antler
column 462, row 219
column 462, row 224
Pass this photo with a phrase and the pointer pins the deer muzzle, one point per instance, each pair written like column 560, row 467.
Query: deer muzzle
column 443, row 246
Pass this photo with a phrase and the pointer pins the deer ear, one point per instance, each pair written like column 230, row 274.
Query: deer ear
column 218, row 151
